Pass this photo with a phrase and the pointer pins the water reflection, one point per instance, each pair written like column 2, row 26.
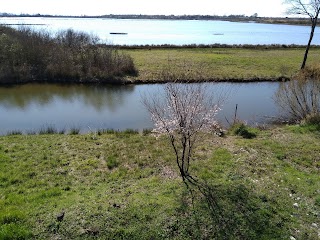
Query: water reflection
column 32, row 106
column 97, row 96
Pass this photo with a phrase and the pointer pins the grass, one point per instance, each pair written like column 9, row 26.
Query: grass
column 221, row 64
column 74, row 131
column 125, row 185
column 48, row 130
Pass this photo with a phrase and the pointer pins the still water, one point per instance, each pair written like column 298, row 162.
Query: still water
column 31, row 107
column 179, row 32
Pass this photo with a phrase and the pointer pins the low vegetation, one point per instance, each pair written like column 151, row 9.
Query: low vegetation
column 69, row 56
column 126, row 185
column 241, row 129
column 299, row 99
column 228, row 63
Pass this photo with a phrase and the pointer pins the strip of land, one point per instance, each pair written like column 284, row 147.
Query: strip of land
column 75, row 57
column 217, row 64
column 232, row 18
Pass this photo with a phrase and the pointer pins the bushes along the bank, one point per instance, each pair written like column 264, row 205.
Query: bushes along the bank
column 69, row 56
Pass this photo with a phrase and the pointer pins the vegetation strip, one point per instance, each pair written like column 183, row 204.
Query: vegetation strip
column 217, row 64
column 75, row 57
column 232, row 18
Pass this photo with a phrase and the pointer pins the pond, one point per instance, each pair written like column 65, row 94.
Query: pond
column 178, row 32
column 31, row 107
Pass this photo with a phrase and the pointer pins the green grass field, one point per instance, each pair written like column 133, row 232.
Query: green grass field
column 237, row 64
column 126, row 186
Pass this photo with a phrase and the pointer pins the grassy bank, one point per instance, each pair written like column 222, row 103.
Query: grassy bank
column 218, row 64
column 125, row 186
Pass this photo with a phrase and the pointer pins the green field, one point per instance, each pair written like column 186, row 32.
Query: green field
column 208, row 64
column 126, row 186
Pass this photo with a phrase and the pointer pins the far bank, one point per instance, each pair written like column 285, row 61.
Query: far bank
column 161, row 64
column 227, row 64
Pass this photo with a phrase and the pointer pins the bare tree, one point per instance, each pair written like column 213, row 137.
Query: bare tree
column 185, row 111
column 310, row 8
column 300, row 98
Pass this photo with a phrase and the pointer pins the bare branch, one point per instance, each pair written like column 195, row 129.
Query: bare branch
column 300, row 97
column 309, row 8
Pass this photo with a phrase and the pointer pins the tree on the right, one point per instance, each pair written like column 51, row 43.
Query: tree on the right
column 310, row 8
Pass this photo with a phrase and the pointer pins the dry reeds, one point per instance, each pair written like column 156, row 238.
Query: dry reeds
column 300, row 98
column 69, row 56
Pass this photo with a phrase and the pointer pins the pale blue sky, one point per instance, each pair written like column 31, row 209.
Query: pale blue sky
column 271, row 8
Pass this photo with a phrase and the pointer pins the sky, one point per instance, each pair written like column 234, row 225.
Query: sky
column 270, row 8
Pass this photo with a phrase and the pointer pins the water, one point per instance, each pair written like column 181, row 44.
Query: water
column 179, row 32
column 31, row 107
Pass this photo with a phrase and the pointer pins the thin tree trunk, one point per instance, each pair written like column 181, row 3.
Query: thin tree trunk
column 314, row 23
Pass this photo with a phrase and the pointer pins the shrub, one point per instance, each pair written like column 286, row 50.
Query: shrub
column 310, row 124
column 312, row 119
column 300, row 98
column 27, row 55
column 112, row 162
column 242, row 130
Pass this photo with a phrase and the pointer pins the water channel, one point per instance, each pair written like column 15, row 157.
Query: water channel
column 31, row 107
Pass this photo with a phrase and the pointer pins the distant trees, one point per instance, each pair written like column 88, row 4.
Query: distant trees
column 184, row 112
column 310, row 8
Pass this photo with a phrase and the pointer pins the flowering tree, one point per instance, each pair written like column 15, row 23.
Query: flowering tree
column 182, row 114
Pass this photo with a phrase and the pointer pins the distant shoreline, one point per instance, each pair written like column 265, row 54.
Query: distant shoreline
column 72, row 57
column 236, row 64
column 231, row 18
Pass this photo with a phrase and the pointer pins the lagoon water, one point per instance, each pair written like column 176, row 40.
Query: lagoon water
column 179, row 32
column 31, row 107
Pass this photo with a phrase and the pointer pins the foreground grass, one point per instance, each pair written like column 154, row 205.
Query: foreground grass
column 125, row 186
column 236, row 64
